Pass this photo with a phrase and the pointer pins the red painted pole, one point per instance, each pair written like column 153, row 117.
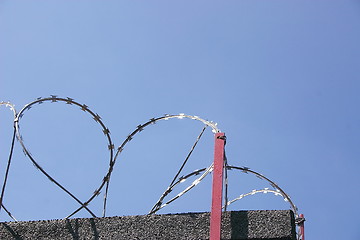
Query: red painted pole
column 216, row 205
column 301, row 226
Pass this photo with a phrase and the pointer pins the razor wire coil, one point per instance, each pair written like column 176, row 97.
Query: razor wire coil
column 114, row 154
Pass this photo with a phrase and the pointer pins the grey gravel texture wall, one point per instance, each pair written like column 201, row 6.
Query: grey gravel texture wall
column 255, row 225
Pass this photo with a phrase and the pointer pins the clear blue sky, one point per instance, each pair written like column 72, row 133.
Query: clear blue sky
column 281, row 79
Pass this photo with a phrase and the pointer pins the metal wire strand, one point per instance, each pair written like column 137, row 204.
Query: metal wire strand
column 140, row 128
column 112, row 159
column 278, row 191
column 226, row 180
column 7, row 174
column 191, row 186
column 12, row 108
column 180, row 169
column 273, row 184
column 95, row 116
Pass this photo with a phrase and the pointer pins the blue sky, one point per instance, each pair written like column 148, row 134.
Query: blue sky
column 281, row 79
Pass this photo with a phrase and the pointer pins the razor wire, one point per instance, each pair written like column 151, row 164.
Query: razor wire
column 253, row 192
column 277, row 190
column 106, row 131
column 83, row 107
column 272, row 183
column 141, row 127
column 113, row 157
column 158, row 203
column 12, row 108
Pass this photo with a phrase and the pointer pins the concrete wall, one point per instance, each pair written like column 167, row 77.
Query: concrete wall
column 277, row 224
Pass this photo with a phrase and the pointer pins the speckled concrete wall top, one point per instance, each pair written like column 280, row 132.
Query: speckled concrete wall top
column 261, row 224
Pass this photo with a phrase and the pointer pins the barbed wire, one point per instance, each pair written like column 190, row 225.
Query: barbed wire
column 158, row 203
column 253, row 192
column 272, row 183
column 12, row 108
column 278, row 191
column 114, row 156
column 141, row 127
column 83, row 107
column 106, row 180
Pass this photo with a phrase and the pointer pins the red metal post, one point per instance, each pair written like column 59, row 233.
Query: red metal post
column 217, row 186
column 301, row 226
